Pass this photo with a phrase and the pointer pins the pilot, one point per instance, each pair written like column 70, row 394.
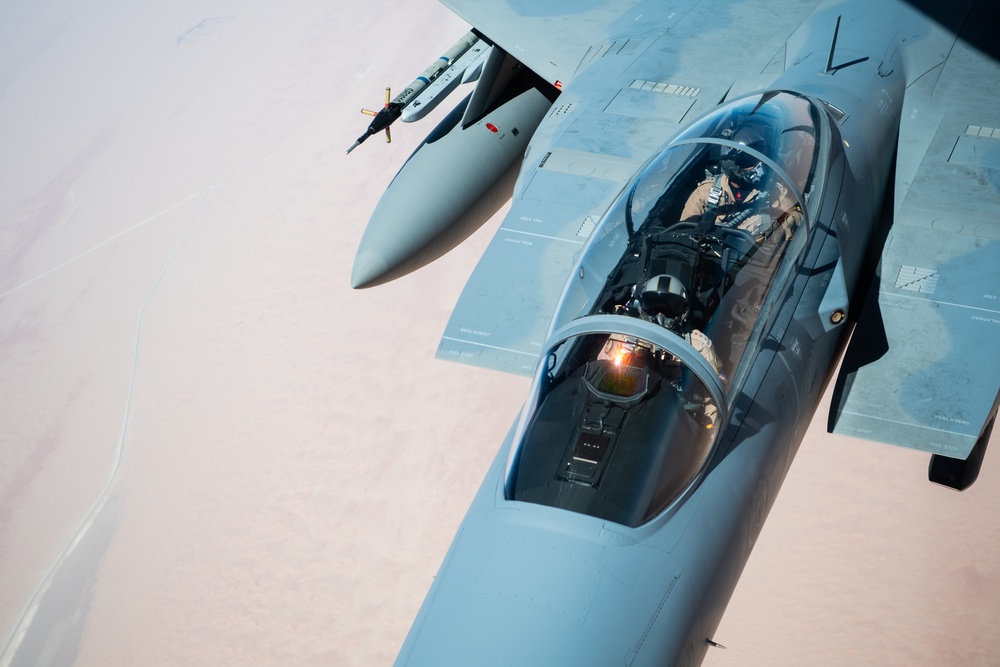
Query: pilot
column 740, row 195
column 664, row 300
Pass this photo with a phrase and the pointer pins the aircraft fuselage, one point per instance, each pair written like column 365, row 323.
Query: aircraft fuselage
column 550, row 579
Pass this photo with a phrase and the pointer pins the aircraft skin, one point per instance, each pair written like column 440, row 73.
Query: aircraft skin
column 586, row 545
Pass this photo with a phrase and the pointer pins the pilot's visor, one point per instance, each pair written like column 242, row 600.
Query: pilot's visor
column 742, row 160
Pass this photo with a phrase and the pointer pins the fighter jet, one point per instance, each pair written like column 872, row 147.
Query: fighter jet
column 711, row 198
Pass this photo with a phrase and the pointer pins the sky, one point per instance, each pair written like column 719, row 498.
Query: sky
column 213, row 451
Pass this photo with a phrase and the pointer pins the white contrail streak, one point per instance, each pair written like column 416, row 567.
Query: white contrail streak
column 103, row 243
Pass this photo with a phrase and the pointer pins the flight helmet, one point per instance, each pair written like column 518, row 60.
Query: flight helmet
column 664, row 299
column 740, row 166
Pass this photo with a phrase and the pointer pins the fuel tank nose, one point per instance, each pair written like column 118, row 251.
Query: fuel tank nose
column 370, row 269
column 452, row 184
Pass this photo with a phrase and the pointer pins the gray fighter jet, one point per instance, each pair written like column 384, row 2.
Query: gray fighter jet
column 682, row 305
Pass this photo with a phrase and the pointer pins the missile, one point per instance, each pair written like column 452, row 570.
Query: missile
column 471, row 62
column 393, row 109
column 455, row 181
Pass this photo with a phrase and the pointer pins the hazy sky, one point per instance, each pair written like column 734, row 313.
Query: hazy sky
column 213, row 451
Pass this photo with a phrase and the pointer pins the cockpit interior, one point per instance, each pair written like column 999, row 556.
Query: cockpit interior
column 619, row 426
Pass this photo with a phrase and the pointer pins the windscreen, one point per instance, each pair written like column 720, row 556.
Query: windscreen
column 621, row 428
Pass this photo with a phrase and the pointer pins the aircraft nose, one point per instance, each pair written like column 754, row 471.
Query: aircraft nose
column 514, row 593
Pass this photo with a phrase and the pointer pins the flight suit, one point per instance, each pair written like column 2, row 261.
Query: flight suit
column 766, row 212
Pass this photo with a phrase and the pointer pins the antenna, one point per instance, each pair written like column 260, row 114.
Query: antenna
column 830, row 67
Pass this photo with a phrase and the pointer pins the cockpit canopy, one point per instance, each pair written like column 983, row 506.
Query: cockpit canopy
column 623, row 419
column 696, row 241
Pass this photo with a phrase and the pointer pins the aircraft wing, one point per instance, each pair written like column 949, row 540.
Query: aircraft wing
column 552, row 38
column 923, row 367
column 635, row 71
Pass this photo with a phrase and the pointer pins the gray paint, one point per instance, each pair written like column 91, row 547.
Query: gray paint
column 531, row 584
